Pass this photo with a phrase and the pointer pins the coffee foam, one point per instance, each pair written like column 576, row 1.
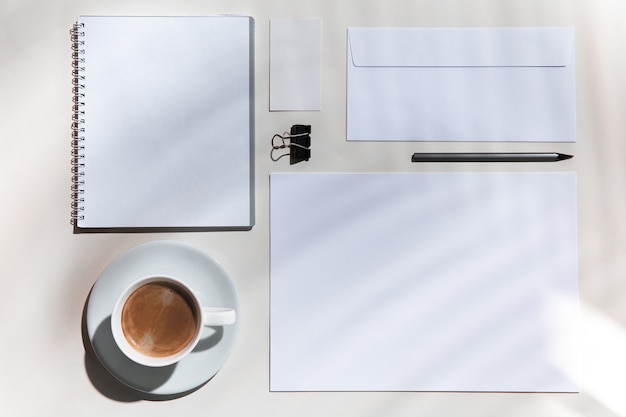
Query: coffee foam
column 159, row 319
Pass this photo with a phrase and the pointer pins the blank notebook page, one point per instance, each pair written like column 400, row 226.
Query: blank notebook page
column 424, row 282
column 168, row 121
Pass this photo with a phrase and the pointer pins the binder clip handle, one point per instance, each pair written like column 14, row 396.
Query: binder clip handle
column 299, row 144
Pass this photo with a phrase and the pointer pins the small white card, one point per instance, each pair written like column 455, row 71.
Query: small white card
column 295, row 64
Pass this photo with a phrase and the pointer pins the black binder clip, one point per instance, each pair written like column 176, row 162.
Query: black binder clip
column 299, row 145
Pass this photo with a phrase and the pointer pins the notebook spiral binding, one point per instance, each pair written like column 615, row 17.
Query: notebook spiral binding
column 78, row 129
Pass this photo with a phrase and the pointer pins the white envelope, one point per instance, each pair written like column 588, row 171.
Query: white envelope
column 461, row 84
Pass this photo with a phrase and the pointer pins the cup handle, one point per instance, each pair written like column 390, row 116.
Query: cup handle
column 218, row 316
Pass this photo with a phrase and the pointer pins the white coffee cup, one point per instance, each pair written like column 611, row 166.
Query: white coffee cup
column 158, row 320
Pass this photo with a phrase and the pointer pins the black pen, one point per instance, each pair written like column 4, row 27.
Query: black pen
column 490, row 157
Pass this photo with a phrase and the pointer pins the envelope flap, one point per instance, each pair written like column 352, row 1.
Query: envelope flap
column 461, row 47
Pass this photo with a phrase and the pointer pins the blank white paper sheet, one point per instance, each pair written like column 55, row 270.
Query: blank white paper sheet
column 424, row 282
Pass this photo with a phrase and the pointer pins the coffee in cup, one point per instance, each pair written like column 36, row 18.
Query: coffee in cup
column 158, row 320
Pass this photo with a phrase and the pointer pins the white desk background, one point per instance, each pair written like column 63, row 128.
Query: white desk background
column 47, row 272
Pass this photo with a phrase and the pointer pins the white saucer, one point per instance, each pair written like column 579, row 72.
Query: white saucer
column 204, row 275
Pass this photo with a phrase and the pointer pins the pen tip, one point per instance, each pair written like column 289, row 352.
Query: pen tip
column 563, row 156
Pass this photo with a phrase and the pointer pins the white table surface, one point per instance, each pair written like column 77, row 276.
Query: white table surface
column 47, row 271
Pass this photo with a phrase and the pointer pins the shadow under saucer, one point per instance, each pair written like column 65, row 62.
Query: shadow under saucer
column 146, row 379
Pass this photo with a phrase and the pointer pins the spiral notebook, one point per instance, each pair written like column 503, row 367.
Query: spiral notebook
column 163, row 128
